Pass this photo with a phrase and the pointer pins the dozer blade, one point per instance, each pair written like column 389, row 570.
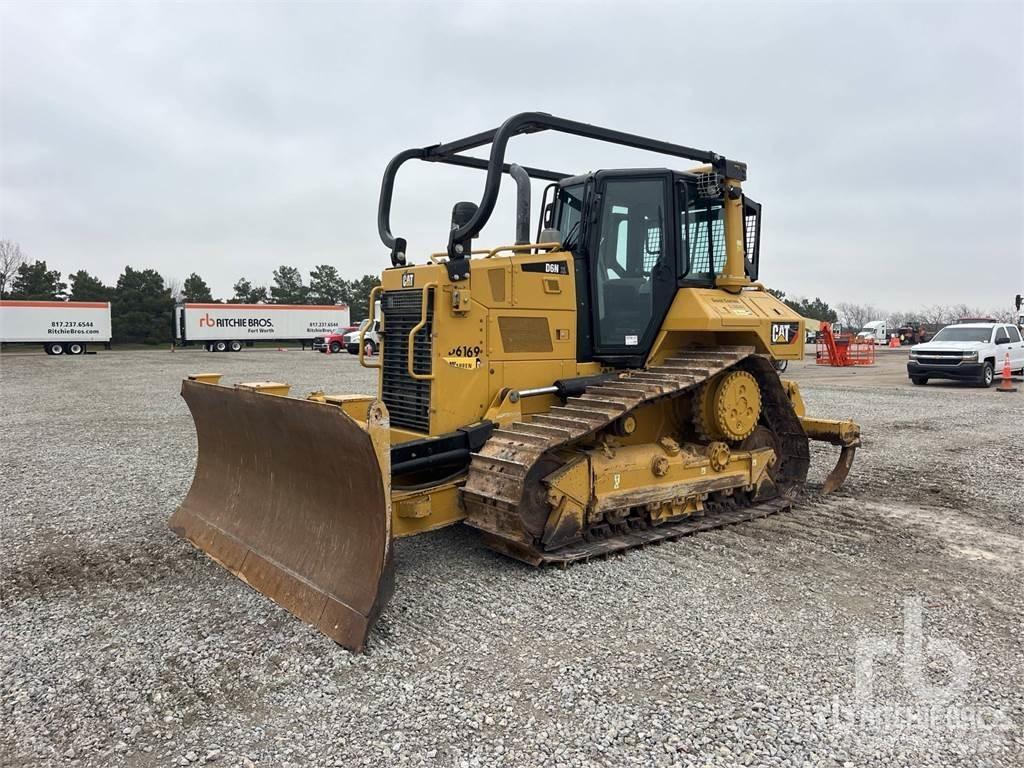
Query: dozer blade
column 846, row 435
column 294, row 498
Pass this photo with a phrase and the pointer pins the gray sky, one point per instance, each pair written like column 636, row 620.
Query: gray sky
column 885, row 142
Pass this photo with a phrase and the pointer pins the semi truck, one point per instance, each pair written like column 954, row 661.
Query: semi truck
column 60, row 327
column 229, row 327
column 876, row 331
column 912, row 332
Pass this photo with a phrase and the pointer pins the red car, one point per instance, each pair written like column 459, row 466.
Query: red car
column 334, row 341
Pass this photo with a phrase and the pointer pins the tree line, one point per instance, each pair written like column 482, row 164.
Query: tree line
column 142, row 300
column 855, row 316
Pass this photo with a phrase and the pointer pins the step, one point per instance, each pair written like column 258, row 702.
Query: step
column 688, row 373
column 519, row 437
column 579, row 413
column 634, row 392
column 573, row 426
column 541, row 430
column 663, row 379
column 711, row 362
column 507, row 466
column 590, row 401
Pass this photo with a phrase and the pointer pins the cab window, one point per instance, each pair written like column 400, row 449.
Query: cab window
column 569, row 206
column 629, row 254
column 706, row 246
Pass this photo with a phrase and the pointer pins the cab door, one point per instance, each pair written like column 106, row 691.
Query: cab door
column 1003, row 342
column 1016, row 350
column 632, row 263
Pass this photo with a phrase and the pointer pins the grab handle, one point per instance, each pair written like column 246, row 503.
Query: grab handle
column 374, row 293
column 412, row 337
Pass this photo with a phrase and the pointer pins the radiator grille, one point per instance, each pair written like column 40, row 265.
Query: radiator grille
column 407, row 399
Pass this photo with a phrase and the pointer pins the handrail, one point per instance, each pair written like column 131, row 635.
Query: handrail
column 374, row 292
column 444, row 254
column 520, row 248
column 412, row 338
column 501, row 248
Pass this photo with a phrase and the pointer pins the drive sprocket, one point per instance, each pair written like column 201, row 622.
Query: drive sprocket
column 728, row 407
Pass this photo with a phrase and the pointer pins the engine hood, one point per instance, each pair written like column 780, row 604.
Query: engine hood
column 949, row 346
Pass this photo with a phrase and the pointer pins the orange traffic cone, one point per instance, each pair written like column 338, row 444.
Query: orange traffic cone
column 894, row 343
column 327, row 349
column 1006, row 385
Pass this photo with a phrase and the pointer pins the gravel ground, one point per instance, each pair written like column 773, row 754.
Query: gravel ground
column 121, row 645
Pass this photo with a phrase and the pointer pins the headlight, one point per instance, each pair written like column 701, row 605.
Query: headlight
column 914, row 353
column 970, row 355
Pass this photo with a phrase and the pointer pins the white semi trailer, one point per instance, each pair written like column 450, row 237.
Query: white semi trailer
column 229, row 327
column 61, row 327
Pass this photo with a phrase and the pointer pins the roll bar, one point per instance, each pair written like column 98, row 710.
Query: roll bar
column 450, row 153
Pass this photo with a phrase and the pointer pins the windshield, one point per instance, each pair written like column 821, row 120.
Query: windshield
column 961, row 333
column 364, row 324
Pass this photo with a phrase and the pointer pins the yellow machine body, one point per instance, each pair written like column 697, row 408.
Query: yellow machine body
column 493, row 407
column 508, row 329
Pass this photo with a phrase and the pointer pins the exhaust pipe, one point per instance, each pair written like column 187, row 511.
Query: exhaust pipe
column 522, row 203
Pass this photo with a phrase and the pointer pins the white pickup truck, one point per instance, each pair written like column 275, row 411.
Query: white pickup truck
column 972, row 352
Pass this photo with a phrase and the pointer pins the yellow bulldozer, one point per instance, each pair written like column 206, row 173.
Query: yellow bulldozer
column 607, row 383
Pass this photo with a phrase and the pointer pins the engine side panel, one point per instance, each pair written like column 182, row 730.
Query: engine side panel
column 512, row 324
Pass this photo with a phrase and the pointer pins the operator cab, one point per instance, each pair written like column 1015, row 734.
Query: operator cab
column 636, row 237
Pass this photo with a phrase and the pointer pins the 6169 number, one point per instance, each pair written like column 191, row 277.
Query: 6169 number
column 465, row 351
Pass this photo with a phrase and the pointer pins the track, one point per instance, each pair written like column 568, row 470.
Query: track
column 633, row 534
column 503, row 485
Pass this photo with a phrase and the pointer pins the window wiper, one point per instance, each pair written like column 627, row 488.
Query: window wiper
column 567, row 242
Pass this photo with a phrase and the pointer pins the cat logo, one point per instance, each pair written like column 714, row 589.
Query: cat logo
column 784, row 333
column 408, row 279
